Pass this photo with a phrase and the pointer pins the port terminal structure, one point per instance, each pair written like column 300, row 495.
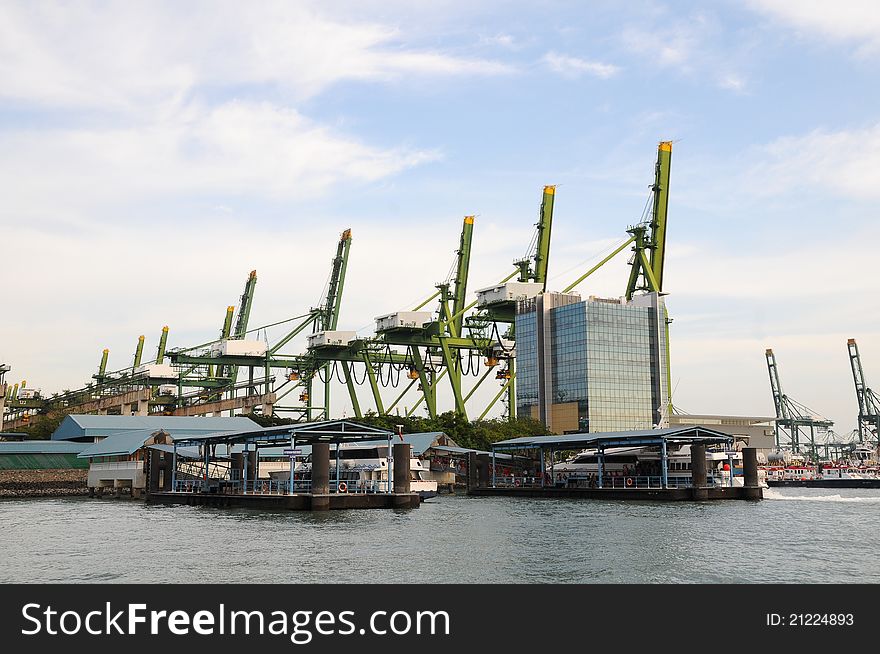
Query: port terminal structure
column 226, row 473
column 443, row 340
column 699, row 485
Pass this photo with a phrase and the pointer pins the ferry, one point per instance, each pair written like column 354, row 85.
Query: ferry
column 363, row 468
column 639, row 464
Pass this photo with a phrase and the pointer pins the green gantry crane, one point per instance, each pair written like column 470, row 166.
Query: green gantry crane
column 792, row 416
column 300, row 370
column 868, row 400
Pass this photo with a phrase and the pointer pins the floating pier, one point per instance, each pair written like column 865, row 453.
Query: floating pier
column 484, row 478
column 224, row 477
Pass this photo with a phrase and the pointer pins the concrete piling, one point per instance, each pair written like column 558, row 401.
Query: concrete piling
column 402, row 458
column 483, row 465
column 320, row 476
column 472, row 480
column 155, row 465
column 252, row 466
column 167, row 470
column 699, row 490
column 401, row 486
column 750, row 474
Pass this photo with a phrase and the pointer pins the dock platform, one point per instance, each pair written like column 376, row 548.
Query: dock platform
column 295, row 502
column 539, row 480
column 629, row 494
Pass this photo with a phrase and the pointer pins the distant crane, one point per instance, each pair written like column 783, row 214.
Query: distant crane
column 791, row 416
column 869, row 401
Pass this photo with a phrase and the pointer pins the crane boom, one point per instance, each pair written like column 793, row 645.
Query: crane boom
column 868, row 401
column 462, row 268
column 534, row 266
column 776, row 386
column 244, row 309
column 658, row 214
column 163, row 341
column 545, row 223
column 139, row 352
column 337, row 281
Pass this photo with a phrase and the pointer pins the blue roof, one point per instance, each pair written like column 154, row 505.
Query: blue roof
column 303, row 432
column 121, row 444
column 419, row 441
column 687, row 433
column 464, row 450
column 185, row 452
column 92, row 426
column 41, row 447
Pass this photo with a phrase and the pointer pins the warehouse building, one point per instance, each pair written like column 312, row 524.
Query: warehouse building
column 94, row 428
column 758, row 431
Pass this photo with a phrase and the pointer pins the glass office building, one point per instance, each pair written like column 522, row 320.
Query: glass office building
column 592, row 365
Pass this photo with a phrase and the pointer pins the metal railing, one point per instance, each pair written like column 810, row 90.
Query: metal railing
column 617, row 482
column 275, row 486
column 359, row 486
column 117, row 465
column 189, row 485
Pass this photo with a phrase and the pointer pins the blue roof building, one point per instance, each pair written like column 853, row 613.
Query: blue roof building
column 93, row 428
column 40, row 455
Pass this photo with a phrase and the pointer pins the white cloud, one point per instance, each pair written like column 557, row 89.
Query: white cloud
column 692, row 46
column 125, row 56
column 575, row 67
column 233, row 148
column 853, row 20
column 502, row 40
column 846, row 162
column 732, row 82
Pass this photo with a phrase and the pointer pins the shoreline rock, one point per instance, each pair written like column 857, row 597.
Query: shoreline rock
column 43, row 483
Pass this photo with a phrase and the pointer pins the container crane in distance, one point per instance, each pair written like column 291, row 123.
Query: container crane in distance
column 868, row 400
column 791, row 416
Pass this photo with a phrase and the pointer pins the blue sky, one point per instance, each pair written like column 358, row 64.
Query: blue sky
column 157, row 152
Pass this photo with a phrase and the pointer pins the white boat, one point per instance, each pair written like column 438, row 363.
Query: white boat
column 363, row 468
column 640, row 467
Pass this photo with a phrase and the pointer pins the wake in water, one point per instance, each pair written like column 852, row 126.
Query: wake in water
column 776, row 494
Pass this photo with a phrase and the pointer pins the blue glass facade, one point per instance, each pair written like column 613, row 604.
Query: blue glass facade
column 593, row 365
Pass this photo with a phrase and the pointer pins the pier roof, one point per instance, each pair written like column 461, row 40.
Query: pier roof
column 685, row 434
column 327, row 431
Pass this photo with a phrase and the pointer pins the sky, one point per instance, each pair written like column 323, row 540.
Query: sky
column 156, row 152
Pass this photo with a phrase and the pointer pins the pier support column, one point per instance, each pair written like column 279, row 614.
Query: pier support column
column 237, row 462
column 155, row 463
column 698, row 472
column 402, row 456
column 471, row 470
column 752, row 490
column 320, row 476
column 483, row 470
column 252, row 465
column 167, row 471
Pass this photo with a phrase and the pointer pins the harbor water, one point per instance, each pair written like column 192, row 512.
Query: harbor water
column 794, row 535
